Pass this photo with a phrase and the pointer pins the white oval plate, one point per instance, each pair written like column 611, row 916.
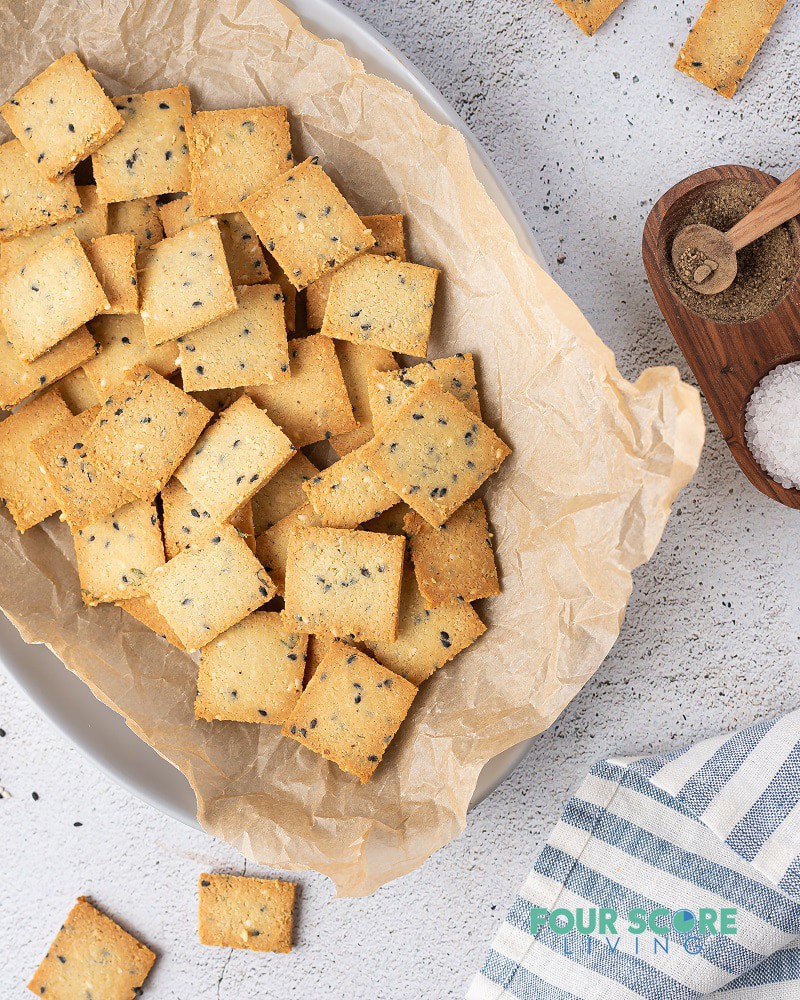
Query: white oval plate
column 67, row 702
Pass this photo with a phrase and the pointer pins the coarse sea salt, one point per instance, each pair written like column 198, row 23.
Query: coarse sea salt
column 772, row 429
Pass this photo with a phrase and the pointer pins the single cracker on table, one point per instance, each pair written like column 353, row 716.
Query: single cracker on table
column 239, row 912
column 149, row 155
column 144, row 430
column 139, row 216
column 251, row 673
column 234, row 153
column 348, row 493
column 388, row 390
column 313, row 404
column 118, row 553
column 92, row 956
column 49, row 296
column 235, row 454
column 427, row 638
column 358, row 362
column 184, row 283
column 144, row 611
column 306, row 224
column 28, row 200
column 208, row 589
column 588, row 14
column 113, row 259
column 19, row 379
column 84, row 493
column 434, row 453
column 389, row 242
column 78, row 392
column 723, row 42
column 247, row 347
column 123, row 345
column 351, row 711
column 283, row 493
column 381, row 301
column 344, row 583
column 455, row 560
column 272, row 545
column 24, row 488
column 187, row 523
column 61, row 116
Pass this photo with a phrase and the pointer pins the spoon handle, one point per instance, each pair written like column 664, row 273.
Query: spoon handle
column 779, row 206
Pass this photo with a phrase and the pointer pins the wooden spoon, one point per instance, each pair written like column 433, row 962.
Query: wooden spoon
column 715, row 252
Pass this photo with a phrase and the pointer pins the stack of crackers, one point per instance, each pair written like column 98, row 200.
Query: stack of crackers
column 162, row 392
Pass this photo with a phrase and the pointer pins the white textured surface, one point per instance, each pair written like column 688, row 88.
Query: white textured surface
column 587, row 133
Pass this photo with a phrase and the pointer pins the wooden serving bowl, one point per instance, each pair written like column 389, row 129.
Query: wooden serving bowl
column 728, row 359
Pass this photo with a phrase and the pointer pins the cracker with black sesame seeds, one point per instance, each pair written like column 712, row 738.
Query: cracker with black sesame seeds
column 318, row 648
column 378, row 300
column 313, row 404
column 283, row 493
column 92, row 956
column 343, row 583
column 78, row 392
column 233, row 456
column 435, row 453
column 150, row 154
column 144, row 611
column 113, row 259
column 144, row 430
column 139, row 216
column 49, row 296
column 306, row 224
column 251, row 673
column 388, row 390
column 272, row 545
column 588, row 14
column 184, row 283
column 61, row 116
column 348, row 493
column 208, row 589
column 239, row 912
column 24, row 488
column 117, row 553
column 234, row 153
column 19, row 380
column 357, row 362
column 123, row 345
column 455, row 560
column 427, row 638
column 389, row 242
column 351, row 711
column 246, row 347
column 27, row 200
column 84, row 493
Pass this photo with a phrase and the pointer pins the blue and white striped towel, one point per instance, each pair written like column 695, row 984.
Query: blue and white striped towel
column 714, row 827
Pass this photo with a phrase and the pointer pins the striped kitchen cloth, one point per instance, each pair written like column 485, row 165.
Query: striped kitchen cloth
column 675, row 876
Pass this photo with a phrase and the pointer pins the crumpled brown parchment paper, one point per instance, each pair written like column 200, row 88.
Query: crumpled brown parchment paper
column 584, row 499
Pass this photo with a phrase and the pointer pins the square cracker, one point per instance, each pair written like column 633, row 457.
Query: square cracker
column 19, row 380
column 144, row 430
column 351, row 710
column 243, row 251
column 84, row 493
column 434, row 453
column 272, row 545
column 253, row 913
column 77, row 390
column 144, row 611
column 24, row 488
column 238, row 452
column 588, row 14
column 149, row 155
column 123, row 345
column 382, row 301
column 344, row 583
column 247, row 347
column 283, row 493
column 140, row 217
column 313, row 404
column 187, row 523
column 208, row 589
column 48, row 296
column 388, row 391
column 348, row 493
column 27, row 200
column 117, row 553
column 184, row 283
column 358, row 362
column 455, row 560
column 113, row 259
column 92, row 956
column 306, row 224
column 253, row 672
column 61, row 116
column 234, row 153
